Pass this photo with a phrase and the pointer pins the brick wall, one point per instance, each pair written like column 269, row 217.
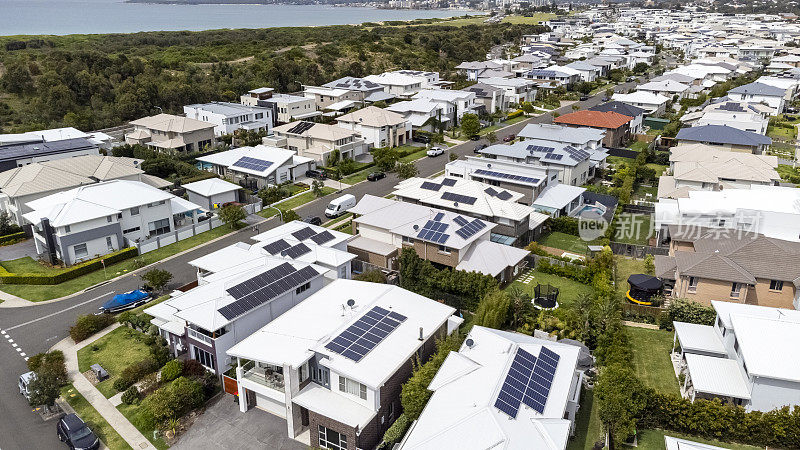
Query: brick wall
column 429, row 251
column 317, row 419
column 763, row 296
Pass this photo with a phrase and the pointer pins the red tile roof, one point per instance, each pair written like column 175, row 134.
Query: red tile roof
column 597, row 119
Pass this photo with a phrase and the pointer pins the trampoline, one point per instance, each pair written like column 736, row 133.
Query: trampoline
column 545, row 296
column 643, row 288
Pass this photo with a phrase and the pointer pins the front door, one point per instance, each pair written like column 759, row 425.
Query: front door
column 250, row 396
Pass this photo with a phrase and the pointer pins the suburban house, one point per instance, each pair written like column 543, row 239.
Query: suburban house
column 317, row 140
column 744, row 116
column 397, row 84
column 21, row 185
column 166, row 132
column 746, row 358
column 527, row 179
column 285, row 107
column 554, row 76
column 429, row 80
column 366, row 91
column 333, row 98
column 442, row 237
column 769, row 210
column 258, row 167
column 518, row 90
column 667, row 88
column 333, row 365
column 491, row 98
column 588, row 72
column 454, row 103
column 772, row 96
column 653, row 104
column 588, row 139
column 517, row 224
column 725, row 138
column 574, row 165
column 478, row 69
column 212, row 193
column 377, row 127
column 634, row 112
column 230, row 305
column 560, row 200
column 253, row 96
column 228, row 117
column 615, row 125
column 98, row 138
column 702, row 167
column 422, row 114
column 501, row 390
column 96, row 219
column 22, row 152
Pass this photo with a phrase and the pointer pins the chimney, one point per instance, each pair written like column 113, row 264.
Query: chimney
column 420, row 334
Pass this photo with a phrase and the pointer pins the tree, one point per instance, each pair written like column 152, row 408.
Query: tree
column 576, row 107
column 620, row 398
column 609, row 92
column 493, row 310
column 316, row 188
column 6, row 225
column 231, row 215
column 157, row 278
column 289, row 215
column 470, row 124
column 520, row 303
column 50, row 374
column 640, row 67
column 385, row 158
column 649, row 265
column 491, row 137
column 407, row 170
column 271, row 194
column 333, row 158
column 527, row 107
column 453, row 157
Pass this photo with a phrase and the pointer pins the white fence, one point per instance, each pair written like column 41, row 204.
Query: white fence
column 179, row 234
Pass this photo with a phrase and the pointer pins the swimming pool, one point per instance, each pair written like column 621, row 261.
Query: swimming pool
column 591, row 210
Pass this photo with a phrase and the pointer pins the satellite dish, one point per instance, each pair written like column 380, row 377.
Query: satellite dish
column 489, row 165
column 351, row 302
column 416, row 227
column 470, row 343
column 455, row 204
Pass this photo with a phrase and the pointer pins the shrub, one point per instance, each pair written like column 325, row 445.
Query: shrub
column 398, row 429
column 493, row 310
column 415, row 393
column 130, row 396
column 12, row 238
column 373, row 276
column 564, row 224
column 174, row 400
column 685, row 310
column 172, row 370
column 88, row 325
column 135, row 372
column 160, row 352
column 193, row 368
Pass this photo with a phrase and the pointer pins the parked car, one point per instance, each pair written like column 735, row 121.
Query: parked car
column 584, row 98
column 435, row 151
column 605, row 99
column 421, row 138
column 375, row 176
column 475, row 137
column 339, row 206
column 318, row 174
column 73, row 431
column 313, row 220
column 479, row 147
column 631, row 79
column 24, row 384
column 509, row 138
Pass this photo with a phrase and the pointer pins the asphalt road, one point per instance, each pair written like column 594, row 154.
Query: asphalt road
column 37, row 328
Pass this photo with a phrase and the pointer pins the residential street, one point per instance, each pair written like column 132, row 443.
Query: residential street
column 30, row 330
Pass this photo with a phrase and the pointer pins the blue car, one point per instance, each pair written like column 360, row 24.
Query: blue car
column 128, row 300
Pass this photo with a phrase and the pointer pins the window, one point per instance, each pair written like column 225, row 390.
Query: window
column 109, row 244
column 692, row 284
column 775, row 285
column 353, row 387
column 303, row 372
column 159, row 227
column 303, row 288
column 736, row 289
column 66, row 228
column 391, row 411
column 109, row 219
column 203, row 357
column 331, row 439
column 321, row 376
column 408, row 240
column 130, row 230
column 444, row 249
column 80, row 250
column 135, row 211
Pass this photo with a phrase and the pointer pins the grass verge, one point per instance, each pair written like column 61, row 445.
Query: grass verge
column 135, row 414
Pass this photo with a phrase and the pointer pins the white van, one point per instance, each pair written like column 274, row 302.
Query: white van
column 24, row 384
column 339, row 206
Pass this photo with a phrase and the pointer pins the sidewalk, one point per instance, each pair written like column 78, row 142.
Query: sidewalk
column 103, row 406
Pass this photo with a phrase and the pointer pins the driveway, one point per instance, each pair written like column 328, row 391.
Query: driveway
column 223, row 426
column 20, row 250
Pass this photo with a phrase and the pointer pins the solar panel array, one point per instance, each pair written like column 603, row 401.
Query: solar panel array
column 465, row 199
column 300, row 128
column 449, row 182
column 256, row 164
column 264, row 287
column 431, row 186
column 276, row 247
column 297, row 250
column 540, row 149
column 471, row 228
column 528, row 382
column 304, row 233
column 439, row 217
column 504, row 195
column 434, row 231
column 507, row 176
column 365, row 333
column 460, row 221
column 553, row 156
column 322, row 238
column 576, row 153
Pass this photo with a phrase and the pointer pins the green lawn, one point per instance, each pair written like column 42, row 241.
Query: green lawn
column 39, row 293
column 625, row 268
column 292, row 203
column 654, row 440
column 136, row 416
column 784, row 133
column 418, row 155
column 651, row 359
column 569, row 290
column 632, row 229
column 639, row 146
column 357, row 177
column 563, row 241
column 29, row 265
column 115, row 351
column 588, row 428
column 659, row 168
column 93, row 419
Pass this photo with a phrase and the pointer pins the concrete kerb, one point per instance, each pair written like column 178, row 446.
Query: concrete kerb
column 12, row 301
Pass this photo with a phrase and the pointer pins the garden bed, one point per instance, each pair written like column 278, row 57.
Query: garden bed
column 114, row 352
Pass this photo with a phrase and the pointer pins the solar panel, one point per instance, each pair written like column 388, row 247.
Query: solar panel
column 300, row 128
column 365, row 333
column 276, row 247
column 553, row 156
column 459, row 198
column 490, row 191
column 298, row 250
column 438, row 217
column 434, row 231
column 460, row 221
column 264, row 287
column 450, row 182
column 540, row 149
column 431, row 186
column 504, row 195
column 304, row 233
column 322, row 238
column 256, row 164
column 471, row 228
column 528, row 381
column 506, row 176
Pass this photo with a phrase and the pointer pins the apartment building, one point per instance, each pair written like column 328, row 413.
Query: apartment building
column 316, row 140
column 167, row 132
column 228, row 117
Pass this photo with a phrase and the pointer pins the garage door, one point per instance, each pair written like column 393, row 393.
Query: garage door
column 270, row 405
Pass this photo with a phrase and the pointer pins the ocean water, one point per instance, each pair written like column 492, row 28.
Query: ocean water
column 115, row 16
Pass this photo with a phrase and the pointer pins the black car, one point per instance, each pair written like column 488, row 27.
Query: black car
column 72, row 431
column 375, row 176
column 318, row 174
column 313, row 220
column 421, row 138
column 584, row 98
column 475, row 137
column 479, row 147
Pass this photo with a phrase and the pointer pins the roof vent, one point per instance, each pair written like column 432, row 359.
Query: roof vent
column 470, row 343
column 351, row 303
column 416, row 227
column 420, row 334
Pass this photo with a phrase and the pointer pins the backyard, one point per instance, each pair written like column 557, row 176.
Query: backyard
column 569, row 290
column 651, row 359
column 626, row 267
column 564, row 241
column 632, row 229
column 114, row 352
column 93, row 419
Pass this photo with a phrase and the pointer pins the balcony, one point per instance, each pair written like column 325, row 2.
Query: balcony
column 198, row 336
column 268, row 376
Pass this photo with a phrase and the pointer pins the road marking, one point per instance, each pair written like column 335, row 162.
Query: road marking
column 14, row 345
column 10, row 340
column 23, row 355
column 19, row 350
column 59, row 312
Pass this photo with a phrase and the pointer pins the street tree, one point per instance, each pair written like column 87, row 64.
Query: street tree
column 470, row 124
column 50, row 373
column 491, row 137
column 289, row 215
column 157, row 278
column 231, row 215
column 316, row 188
column 407, row 170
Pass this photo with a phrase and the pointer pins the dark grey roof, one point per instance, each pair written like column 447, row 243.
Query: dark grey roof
column 17, row 151
column 356, row 84
column 619, row 107
column 722, row 134
column 609, row 201
column 482, row 89
column 758, row 89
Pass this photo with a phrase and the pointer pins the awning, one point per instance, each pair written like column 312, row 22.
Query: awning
column 717, row 376
column 338, row 106
column 696, row 338
column 330, row 404
column 372, row 246
column 180, row 205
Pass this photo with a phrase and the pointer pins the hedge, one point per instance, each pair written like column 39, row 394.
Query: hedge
column 514, row 114
column 565, row 224
column 11, row 238
column 398, row 429
column 579, row 274
column 88, row 325
column 75, row 271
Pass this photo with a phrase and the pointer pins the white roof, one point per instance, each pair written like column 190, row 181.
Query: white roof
column 296, row 335
column 762, row 339
column 665, row 85
column 673, row 443
column 330, row 404
column 717, row 376
column 491, row 258
column 725, row 310
column 703, row 338
column 646, row 98
column 461, row 412
column 393, row 79
column 277, row 156
column 558, row 196
column 560, row 133
column 211, row 186
column 286, row 230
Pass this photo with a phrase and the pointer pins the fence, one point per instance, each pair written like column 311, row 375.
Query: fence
column 636, row 251
column 252, row 208
column 639, row 209
column 623, row 152
column 179, row 234
column 642, row 310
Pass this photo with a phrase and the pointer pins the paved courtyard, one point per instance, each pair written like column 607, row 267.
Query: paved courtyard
column 223, row 426
column 19, row 250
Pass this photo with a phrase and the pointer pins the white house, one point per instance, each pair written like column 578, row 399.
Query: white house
column 654, row 104
column 666, row 88
column 229, row 117
column 422, row 114
column 454, row 103
column 397, row 84
column 378, row 127
column 517, row 90
column 212, row 193
column 772, row 96
column 258, row 167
